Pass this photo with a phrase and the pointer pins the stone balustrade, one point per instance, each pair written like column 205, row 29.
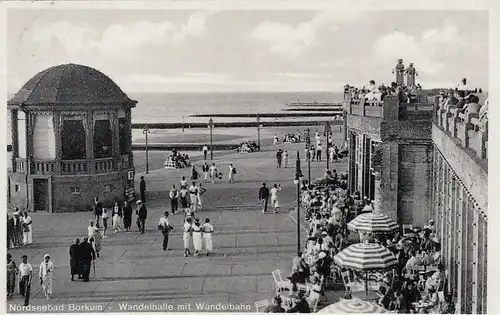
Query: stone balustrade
column 467, row 128
column 389, row 110
column 74, row 167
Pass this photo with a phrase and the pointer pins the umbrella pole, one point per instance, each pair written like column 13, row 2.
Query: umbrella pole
column 366, row 283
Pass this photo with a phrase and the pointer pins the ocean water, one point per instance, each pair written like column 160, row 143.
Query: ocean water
column 176, row 107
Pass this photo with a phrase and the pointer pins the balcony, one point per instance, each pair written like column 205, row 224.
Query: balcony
column 388, row 110
column 470, row 132
column 74, row 167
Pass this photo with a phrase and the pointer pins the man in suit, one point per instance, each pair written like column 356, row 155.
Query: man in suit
column 97, row 212
column 86, row 255
column 142, row 213
column 264, row 196
column 142, row 188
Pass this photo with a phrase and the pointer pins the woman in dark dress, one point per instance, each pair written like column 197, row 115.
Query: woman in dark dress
column 73, row 258
column 127, row 216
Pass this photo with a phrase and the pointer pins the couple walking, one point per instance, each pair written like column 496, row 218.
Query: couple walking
column 265, row 194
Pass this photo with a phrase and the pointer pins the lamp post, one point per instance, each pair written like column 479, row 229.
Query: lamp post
column 211, row 126
column 327, row 130
column 146, row 131
column 258, row 131
column 296, row 181
column 308, row 140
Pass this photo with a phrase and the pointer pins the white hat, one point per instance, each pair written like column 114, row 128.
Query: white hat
column 322, row 255
column 45, row 256
column 139, row 201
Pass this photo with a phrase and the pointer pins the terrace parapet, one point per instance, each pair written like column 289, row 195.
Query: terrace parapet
column 469, row 131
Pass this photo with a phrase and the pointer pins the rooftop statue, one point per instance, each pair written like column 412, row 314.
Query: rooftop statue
column 399, row 71
column 411, row 72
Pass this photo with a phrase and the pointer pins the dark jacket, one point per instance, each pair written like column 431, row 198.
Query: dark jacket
column 86, row 252
column 301, row 307
column 98, row 208
column 263, row 193
column 73, row 255
column 143, row 212
column 127, row 211
column 142, row 185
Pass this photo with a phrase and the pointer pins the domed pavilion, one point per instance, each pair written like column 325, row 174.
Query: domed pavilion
column 71, row 141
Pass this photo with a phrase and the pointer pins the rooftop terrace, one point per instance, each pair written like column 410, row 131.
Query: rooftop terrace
column 466, row 129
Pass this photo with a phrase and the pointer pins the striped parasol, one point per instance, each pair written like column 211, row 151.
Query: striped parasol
column 365, row 257
column 353, row 306
column 373, row 222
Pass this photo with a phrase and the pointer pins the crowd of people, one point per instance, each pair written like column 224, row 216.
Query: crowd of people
column 417, row 284
column 19, row 229
column 464, row 100
column 406, row 94
column 23, row 274
column 178, row 160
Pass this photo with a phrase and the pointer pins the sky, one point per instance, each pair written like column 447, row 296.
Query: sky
column 225, row 51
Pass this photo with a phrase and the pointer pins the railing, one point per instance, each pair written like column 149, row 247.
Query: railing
column 74, row 167
column 104, row 165
column 471, row 132
column 41, row 167
column 389, row 110
column 20, row 165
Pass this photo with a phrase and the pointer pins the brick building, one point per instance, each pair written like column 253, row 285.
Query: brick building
column 71, row 140
column 419, row 162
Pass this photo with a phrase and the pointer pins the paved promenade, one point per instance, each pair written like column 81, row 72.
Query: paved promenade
column 133, row 269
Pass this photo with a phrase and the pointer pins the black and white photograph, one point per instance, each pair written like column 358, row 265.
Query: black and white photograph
column 269, row 159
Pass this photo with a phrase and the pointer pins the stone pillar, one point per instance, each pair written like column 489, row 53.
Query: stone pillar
column 14, row 137
column 115, row 131
column 377, row 198
column 58, row 137
column 89, row 150
column 30, row 122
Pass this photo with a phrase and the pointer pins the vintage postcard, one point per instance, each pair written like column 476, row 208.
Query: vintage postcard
column 272, row 157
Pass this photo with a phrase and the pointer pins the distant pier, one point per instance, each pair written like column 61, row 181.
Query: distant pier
column 241, row 124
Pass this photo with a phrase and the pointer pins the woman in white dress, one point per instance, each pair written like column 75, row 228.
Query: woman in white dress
column 193, row 197
column 186, row 236
column 213, row 172
column 201, row 190
column 285, row 159
column 46, row 275
column 27, row 229
column 208, row 229
column 197, row 237
column 117, row 214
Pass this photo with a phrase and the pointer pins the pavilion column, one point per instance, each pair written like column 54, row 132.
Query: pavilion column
column 58, row 134
column 115, row 147
column 377, row 197
column 128, row 134
column 14, row 138
column 89, row 127
column 30, row 122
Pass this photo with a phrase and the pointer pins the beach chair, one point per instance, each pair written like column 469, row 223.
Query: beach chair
column 261, row 305
column 170, row 164
column 355, row 286
column 313, row 304
column 279, row 283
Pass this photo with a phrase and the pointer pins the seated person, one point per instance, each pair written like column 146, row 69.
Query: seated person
column 316, row 290
column 301, row 305
column 275, row 307
column 384, row 299
column 472, row 106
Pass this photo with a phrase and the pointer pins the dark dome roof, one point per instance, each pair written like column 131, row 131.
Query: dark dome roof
column 70, row 84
